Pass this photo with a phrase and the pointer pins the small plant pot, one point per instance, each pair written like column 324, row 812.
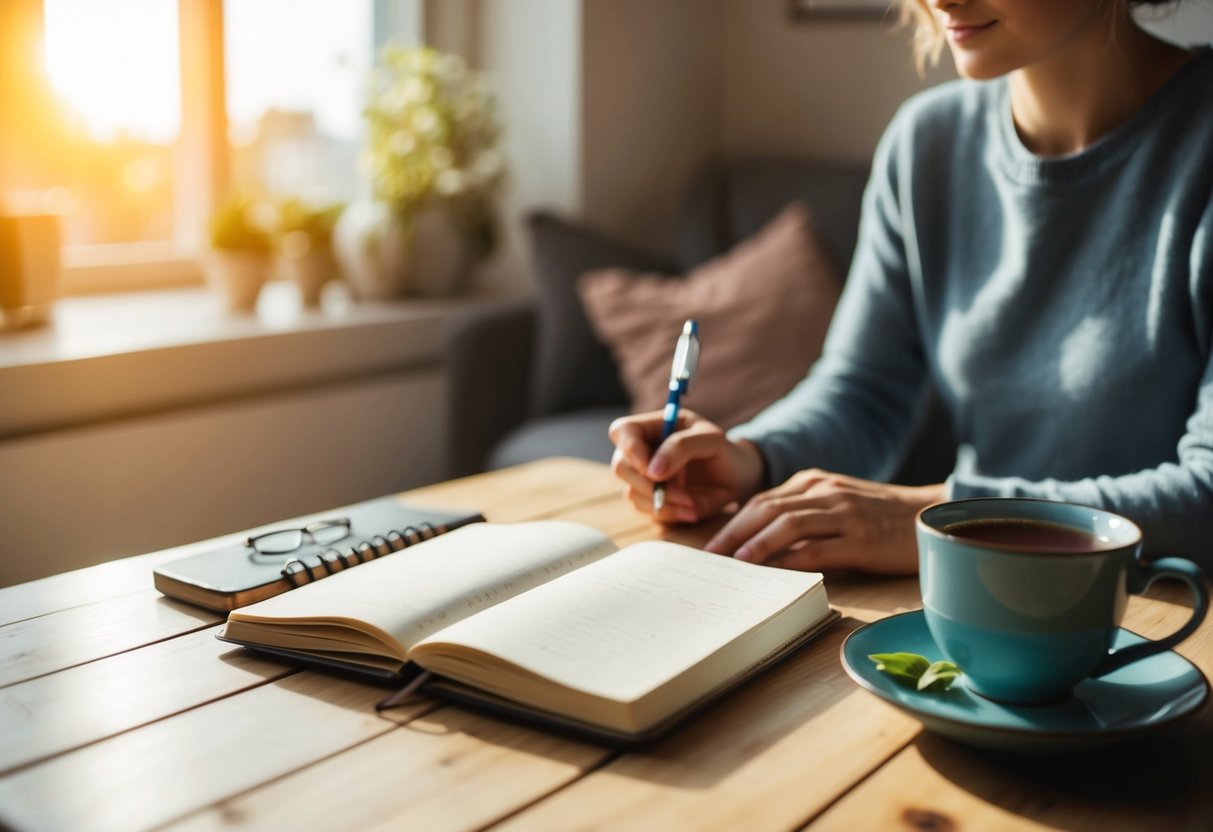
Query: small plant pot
column 237, row 277
column 29, row 269
column 310, row 272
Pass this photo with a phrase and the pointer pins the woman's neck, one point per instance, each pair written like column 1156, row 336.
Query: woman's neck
column 1067, row 102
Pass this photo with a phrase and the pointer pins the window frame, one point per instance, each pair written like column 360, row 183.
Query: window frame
column 199, row 172
column 201, row 166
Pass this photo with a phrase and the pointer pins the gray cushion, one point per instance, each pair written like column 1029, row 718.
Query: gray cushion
column 581, row 434
column 573, row 369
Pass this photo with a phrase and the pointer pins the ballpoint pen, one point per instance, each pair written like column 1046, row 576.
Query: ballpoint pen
column 686, row 359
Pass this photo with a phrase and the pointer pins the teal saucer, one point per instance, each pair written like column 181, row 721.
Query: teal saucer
column 1141, row 697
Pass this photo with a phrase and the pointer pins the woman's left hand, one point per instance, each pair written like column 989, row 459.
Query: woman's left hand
column 818, row 520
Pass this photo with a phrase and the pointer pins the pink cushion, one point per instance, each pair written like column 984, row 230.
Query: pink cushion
column 763, row 310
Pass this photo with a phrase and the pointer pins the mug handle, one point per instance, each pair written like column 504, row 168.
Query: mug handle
column 1184, row 570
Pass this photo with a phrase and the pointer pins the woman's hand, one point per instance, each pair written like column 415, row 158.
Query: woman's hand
column 703, row 470
column 818, row 520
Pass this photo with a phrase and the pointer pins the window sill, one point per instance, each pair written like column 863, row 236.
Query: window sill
column 126, row 267
column 104, row 357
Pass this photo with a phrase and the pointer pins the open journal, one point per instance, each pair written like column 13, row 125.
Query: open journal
column 550, row 621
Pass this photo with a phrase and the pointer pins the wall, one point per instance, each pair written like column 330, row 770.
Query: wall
column 132, row 423
column 828, row 88
column 650, row 109
column 532, row 50
column 85, row 495
column 812, row 87
column 610, row 103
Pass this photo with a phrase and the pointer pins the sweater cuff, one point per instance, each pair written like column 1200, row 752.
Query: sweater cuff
column 766, row 479
column 961, row 487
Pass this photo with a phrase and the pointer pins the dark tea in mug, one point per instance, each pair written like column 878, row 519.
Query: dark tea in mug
column 1027, row 596
column 1022, row 533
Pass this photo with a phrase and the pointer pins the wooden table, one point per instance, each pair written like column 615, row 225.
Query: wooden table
column 120, row 710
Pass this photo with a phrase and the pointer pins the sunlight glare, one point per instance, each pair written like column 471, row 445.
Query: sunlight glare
column 300, row 56
column 116, row 65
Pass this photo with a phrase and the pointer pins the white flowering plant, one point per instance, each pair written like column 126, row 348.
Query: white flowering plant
column 433, row 135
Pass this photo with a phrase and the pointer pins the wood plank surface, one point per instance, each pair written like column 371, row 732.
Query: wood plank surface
column 181, row 764
column 118, row 710
column 527, row 492
column 84, row 704
column 1152, row 784
column 611, row 517
column 47, row 643
column 448, row 770
column 56, row 593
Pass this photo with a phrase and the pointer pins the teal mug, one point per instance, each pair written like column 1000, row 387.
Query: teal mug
column 1026, row 596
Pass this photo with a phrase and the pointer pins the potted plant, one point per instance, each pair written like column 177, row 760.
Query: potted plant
column 242, row 244
column 435, row 171
column 305, row 246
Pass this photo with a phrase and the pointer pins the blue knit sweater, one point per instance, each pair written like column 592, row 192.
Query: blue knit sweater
column 1062, row 308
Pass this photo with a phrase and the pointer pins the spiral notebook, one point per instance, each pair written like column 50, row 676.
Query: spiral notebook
column 236, row 575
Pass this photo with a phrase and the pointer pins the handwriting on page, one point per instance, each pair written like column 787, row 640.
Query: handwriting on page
column 426, row 618
column 634, row 619
column 628, row 620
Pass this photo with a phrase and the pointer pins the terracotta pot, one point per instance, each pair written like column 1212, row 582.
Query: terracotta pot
column 237, row 277
column 310, row 272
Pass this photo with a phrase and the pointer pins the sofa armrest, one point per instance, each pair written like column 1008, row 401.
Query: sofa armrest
column 489, row 357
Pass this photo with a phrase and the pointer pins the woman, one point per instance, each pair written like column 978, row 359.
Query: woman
column 1037, row 246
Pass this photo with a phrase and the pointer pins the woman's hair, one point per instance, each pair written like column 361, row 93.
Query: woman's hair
column 928, row 39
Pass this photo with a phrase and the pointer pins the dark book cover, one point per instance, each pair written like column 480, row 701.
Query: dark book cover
column 238, row 574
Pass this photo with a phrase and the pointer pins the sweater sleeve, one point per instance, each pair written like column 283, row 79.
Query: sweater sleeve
column 1173, row 502
column 856, row 411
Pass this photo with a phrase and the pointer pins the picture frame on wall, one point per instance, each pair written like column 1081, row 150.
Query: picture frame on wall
column 843, row 9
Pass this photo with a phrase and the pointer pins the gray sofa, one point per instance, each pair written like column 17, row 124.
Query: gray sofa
column 528, row 378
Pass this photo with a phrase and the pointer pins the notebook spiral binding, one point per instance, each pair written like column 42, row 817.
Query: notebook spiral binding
column 333, row 560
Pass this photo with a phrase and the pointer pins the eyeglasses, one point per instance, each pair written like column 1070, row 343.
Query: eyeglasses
column 281, row 541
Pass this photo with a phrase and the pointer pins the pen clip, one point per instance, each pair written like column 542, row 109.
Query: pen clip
column 686, row 357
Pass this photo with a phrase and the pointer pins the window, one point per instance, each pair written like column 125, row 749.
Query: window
column 114, row 72
column 295, row 71
column 130, row 119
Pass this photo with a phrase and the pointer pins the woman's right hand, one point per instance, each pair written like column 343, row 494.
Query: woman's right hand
column 704, row 471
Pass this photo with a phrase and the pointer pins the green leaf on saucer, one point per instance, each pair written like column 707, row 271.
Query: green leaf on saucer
column 939, row 676
column 917, row 671
column 905, row 667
